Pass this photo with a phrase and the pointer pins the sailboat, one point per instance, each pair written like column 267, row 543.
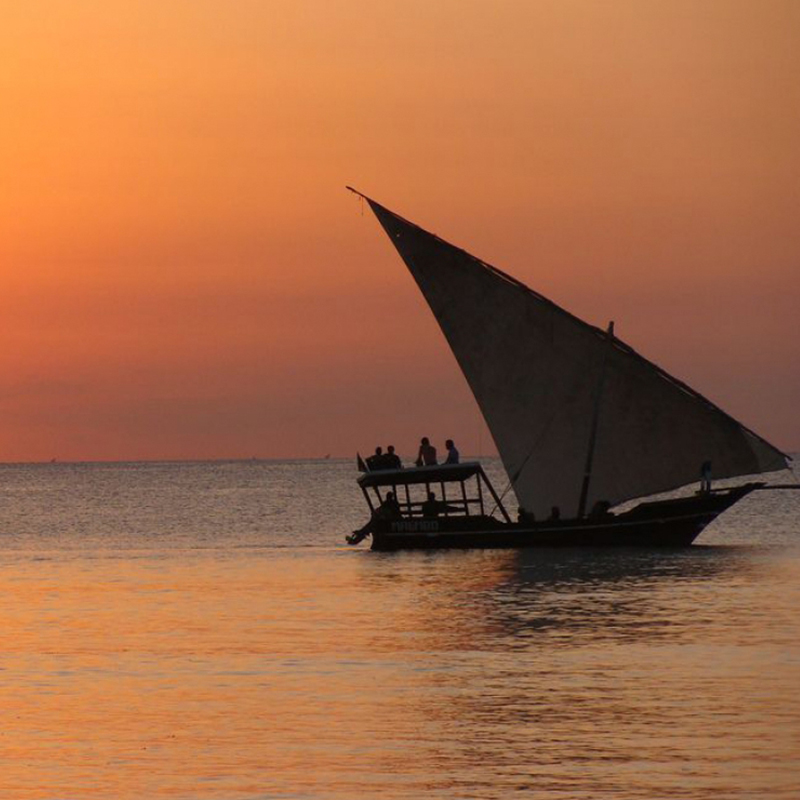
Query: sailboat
column 582, row 422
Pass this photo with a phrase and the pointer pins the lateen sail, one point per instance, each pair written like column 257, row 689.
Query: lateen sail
column 535, row 371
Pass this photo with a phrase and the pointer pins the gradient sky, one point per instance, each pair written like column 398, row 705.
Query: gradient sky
column 184, row 275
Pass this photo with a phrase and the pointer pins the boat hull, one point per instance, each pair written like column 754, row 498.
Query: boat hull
column 662, row 524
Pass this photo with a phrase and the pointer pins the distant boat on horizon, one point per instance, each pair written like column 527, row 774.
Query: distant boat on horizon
column 582, row 423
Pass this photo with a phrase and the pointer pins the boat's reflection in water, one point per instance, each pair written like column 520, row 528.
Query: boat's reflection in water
column 586, row 673
column 570, row 596
column 628, row 595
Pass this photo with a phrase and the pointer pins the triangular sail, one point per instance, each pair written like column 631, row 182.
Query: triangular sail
column 535, row 370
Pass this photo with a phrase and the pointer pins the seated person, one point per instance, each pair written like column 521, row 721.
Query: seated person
column 432, row 507
column 391, row 459
column 525, row 517
column 388, row 509
column 600, row 510
column 452, row 453
column 555, row 514
column 427, row 453
column 375, row 462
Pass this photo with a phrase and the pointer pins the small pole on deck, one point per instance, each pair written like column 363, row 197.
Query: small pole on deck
column 498, row 503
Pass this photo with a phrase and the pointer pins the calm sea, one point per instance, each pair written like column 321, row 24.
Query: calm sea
column 199, row 630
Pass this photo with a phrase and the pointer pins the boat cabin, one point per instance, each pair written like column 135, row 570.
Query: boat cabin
column 462, row 490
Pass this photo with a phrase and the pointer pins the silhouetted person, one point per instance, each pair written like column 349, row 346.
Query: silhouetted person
column 525, row 517
column 389, row 509
column 427, row 453
column 600, row 510
column 452, row 453
column 431, row 507
column 392, row 459
column 705, row 476
column 555, row 514
column 375, row 461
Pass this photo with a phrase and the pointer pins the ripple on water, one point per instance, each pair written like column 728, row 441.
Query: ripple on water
column 175, row 645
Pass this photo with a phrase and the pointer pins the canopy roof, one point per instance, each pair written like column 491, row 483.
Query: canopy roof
column 441, row 473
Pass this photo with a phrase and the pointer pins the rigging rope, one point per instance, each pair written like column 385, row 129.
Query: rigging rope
column 512, row 480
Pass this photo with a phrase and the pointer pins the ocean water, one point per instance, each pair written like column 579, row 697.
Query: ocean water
column 200, row 630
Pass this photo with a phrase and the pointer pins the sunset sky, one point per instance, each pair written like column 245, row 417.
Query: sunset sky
column 185, row 276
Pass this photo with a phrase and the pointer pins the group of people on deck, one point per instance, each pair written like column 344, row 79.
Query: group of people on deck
column 389, row 509
column 427, row 453
column 426, row 457
column 381, row 460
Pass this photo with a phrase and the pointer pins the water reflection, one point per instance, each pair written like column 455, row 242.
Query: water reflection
column 192, row 631
column 341, row 674
column 623, row 595
column 515, row 599
column 582, row 674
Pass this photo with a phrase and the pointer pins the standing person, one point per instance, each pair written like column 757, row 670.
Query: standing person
column 705, row 477
column 392, row 459
column 452, row 453
column 427, row 453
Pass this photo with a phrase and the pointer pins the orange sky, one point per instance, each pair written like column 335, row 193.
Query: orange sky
column 183, row 274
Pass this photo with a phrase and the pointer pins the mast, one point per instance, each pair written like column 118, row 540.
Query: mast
column 587, row 472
